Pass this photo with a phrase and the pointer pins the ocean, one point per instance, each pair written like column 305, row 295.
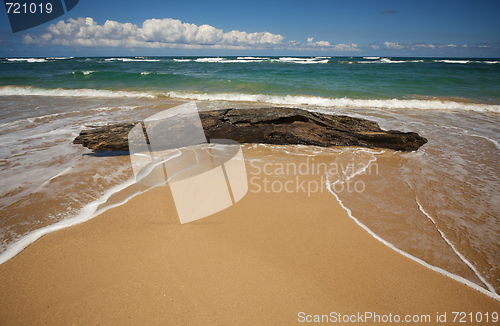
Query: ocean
column 439, row 205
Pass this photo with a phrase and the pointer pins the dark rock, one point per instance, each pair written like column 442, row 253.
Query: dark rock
column 107, row 138
column 278, row 126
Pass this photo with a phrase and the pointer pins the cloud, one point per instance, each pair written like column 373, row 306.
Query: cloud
column 389, row 11
column 168, row 33
column 394, row 46
column 154, row 33
column 440, row 48
column 321, row 46
column 415, row 46
column 324, row 45
column 171, row 33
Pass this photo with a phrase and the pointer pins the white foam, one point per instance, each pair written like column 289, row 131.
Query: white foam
column 86, row 72
column 24, row 90
column 62, row 114
column 460, row 279
column 50, row 133
column 53, row 177
column 241, row 61
column 337, row 102
column 48, row 116
column 497, row 145
column 209, row 59
column 293, row 59
column 258, row 59
column 303, row 60
column 252, row 58
column 455, row 249
column 87, row 213
column 244, row 60
column 131, row 60
column 108, row 108
column 386, row 60
column 453, row 61
column 225, row 60
column 494, row 142
column 371, row 58
column 27, row 60
column 59, row 58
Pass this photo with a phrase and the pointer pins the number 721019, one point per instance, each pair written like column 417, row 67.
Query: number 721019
column 25, row 8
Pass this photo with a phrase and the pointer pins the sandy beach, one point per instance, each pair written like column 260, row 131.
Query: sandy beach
column 270, row 259
column 266, row 163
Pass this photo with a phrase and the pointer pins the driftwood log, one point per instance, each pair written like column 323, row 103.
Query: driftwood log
column 278, row 126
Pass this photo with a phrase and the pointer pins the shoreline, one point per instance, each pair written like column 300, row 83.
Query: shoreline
column 452, row 276
column 87, row 213
column 122, row 193
column 267, row 258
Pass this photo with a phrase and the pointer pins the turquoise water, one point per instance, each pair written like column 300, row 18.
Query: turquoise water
column 326, row 77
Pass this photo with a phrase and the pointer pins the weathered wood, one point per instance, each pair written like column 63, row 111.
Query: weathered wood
column 278, row 126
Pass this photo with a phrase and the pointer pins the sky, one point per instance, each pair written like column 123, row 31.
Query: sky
column 303, row 28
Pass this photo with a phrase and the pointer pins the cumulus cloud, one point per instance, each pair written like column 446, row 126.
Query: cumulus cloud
column 389, row 11
column 167, row 33
column 324, row 45
column 154, row 33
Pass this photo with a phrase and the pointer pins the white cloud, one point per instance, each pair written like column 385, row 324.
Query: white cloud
column 346, row 47
column 395, row 46
column 324, row 45
column 168, row 33
column 420, row 46
column 154, row 33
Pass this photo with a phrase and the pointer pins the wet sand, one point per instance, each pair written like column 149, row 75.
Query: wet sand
column 273, row 258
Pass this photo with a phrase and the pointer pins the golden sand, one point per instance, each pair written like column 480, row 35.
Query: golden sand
column 270, row 259
column 262, row 261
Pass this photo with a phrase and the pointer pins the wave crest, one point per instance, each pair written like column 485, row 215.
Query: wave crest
column 338, row 102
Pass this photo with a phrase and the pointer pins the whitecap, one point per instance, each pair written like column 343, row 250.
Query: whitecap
column 453, row 61
column 337, row 102
column 33, row 91
column 31, row 60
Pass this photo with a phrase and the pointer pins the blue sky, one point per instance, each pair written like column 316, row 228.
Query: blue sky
column 333, row 28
